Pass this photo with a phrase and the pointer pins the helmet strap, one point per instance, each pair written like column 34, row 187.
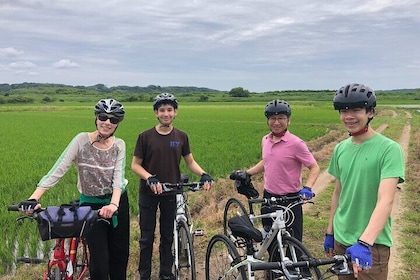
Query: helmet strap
column 100, row 136
column 360, row 132
column 363, row 130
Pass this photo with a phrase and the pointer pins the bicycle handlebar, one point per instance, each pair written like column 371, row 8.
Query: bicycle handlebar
column 340, row 267
column 12, row 208
column 16, row 209
column 274, row 200
column 36, row 211
column 182, row 187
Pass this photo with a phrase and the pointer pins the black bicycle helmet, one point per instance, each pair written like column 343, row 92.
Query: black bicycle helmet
column 110, row 106
column 354, row 96
column 277, row 107
column 165, row 98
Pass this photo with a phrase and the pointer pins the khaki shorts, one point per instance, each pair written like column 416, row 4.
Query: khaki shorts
column 380, row 259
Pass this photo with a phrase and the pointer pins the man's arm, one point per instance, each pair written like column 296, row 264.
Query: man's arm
column 197, row 170
column 193, row 165
column 382, row 211
column 138, row 168
column 312, row 175
column 256, row 169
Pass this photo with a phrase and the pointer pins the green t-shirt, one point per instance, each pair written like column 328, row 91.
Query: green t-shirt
column 360, row 168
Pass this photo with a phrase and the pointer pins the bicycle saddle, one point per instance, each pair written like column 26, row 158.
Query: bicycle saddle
column 241, row 226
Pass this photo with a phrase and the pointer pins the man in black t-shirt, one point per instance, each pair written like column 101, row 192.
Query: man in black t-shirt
column 156, row 159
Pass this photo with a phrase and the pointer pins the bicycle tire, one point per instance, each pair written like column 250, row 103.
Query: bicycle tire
column 301, row 253
column 56, row 273
column 233, row 207
column 221, row 255
column 186, row 259
column 81, row 264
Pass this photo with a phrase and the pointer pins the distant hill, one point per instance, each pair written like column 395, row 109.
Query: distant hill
column 104, row 89
column 151, row 88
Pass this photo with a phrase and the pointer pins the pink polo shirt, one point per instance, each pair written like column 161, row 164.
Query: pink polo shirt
column 283, row 161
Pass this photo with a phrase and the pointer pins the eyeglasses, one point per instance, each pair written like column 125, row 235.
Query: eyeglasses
column 280, row 119
column 104, row 117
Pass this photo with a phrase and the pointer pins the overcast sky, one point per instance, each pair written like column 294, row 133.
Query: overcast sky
column 260, row 45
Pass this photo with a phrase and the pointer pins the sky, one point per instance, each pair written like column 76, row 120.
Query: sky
column 259, row 45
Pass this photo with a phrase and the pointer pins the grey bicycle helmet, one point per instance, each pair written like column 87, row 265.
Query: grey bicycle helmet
column 354, row 96
column 110, row 106
column 165, row 98
column 277, row 107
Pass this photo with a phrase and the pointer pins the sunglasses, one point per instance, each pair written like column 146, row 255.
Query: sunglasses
column 103, row 118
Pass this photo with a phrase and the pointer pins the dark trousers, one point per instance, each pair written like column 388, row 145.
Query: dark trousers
column 148, row 205
column 109, row 246
column 296, row 228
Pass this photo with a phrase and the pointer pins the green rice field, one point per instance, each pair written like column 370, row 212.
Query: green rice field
column 223, row 137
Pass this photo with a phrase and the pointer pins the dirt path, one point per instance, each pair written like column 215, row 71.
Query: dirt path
column 398, row 208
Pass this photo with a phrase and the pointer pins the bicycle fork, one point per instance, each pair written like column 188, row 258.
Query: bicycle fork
column 58, row 260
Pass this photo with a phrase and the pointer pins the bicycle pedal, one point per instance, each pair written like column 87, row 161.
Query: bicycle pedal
column 199, row 232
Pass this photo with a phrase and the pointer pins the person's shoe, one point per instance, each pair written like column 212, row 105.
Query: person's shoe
column 167, row 277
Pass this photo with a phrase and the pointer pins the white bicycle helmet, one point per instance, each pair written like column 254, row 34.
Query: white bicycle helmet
column 165, row 98
column 110, row 106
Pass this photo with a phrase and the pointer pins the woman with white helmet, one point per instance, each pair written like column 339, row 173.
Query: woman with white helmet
column 99, row 158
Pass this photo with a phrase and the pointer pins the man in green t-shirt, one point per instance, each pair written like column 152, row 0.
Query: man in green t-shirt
column 367, row 167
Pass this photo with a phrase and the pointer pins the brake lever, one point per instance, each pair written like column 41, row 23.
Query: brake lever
column 341, row 268
column 24, row 217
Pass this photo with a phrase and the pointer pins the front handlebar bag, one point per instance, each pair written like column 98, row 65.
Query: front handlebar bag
column 65, row 221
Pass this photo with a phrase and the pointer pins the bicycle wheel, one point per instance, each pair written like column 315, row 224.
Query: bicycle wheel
column 185, row 266
column 81, row 264
column 295, row 251
column 221, row 255
column 234, row 207
column 55, row 273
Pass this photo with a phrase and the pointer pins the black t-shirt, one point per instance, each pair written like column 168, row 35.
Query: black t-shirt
column 161, row 155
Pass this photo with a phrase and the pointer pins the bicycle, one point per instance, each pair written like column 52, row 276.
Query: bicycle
column 243, row 235
column 69, row 258
column 227, row 264
column 340, row 267
column 183, row 246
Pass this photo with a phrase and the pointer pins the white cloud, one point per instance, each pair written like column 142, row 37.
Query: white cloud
column 22, row 65
column 10, row 52
column 65, row 63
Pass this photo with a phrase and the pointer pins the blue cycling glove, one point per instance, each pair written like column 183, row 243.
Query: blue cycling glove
column 328, row 243
column 306, row 193
column 361, row 254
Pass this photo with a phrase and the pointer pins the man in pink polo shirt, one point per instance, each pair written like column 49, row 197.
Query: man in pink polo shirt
column 283, row 155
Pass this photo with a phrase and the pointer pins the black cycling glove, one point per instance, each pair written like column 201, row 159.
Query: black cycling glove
column 28, row 205
column 240, row 175
column 206, row 178
column 152, row 180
